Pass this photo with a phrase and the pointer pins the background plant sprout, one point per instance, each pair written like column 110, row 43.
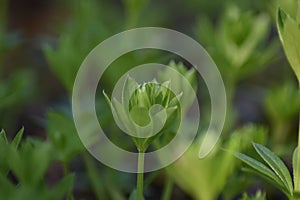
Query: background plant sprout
column 237, row 43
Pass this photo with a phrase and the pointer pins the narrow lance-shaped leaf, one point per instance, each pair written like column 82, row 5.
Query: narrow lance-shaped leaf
column 129, row 87
column 276, row 164
column 121, row 113
column 260, row 167
column 3, row 136
column 269, row 180
column 17, row 139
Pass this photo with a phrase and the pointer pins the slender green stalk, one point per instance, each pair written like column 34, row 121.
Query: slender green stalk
column 168, row 189
column 297, row 175
column 140, row 176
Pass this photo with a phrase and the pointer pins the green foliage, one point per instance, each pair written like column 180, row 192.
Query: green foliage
column 289, row 33
column 287, row 5
column 195, row 176
column 27, row 158
column 9, row 191
column 67, row 145
column 16, row 90
column 29, row 164
column 277, row 98
column 5, row 146
column 258, row 196
column 275, row 171
column 237, row 43
column 279, row 114
column 85, row 31
column 63, row 135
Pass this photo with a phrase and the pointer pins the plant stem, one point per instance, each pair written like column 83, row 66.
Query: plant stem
column 168, row 189
column 140, row 176
column 297, row 176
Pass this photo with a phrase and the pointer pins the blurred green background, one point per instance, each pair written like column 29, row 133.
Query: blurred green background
column 42, row 44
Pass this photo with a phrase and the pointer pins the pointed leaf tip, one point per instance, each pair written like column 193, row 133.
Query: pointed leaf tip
column 17, row 139
column 281, row 17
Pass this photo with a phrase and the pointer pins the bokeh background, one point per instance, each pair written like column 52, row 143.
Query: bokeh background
column 42, row 44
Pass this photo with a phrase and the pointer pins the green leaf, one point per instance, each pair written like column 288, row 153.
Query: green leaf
column 17, row 139
column 258, row 196
column 107, row 99
column 122, row 115
column 260, row 167
column 130, row 86
column 289, row 33
column 269, row 180
column 6, row 148
column 276, row 164
column 30, row 162
column 3, row 137
column 62, row 133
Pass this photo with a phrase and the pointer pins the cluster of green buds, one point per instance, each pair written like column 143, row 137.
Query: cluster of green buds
column 146, row 110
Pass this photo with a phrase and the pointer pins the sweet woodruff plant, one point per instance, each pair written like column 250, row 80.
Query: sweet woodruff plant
column 145, row 112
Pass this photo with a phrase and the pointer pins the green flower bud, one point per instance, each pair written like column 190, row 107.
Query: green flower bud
column 145, row 111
